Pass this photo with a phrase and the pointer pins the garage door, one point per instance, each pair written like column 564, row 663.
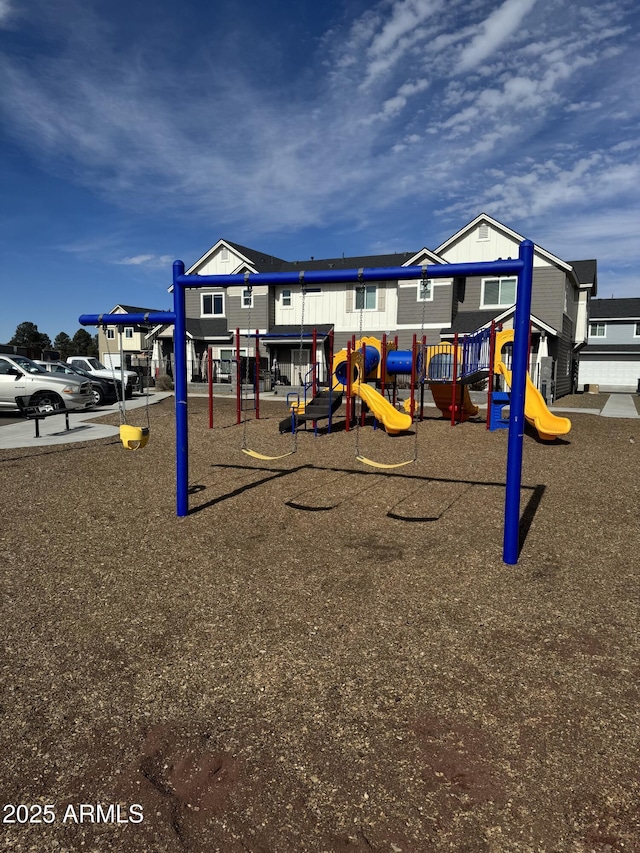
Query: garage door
column 610, row 374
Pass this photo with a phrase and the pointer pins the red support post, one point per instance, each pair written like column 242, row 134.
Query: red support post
column 314, row 372
column 423, row 376
column 314, row 362
column 363, row 350
column 413, row 375
column 210, row 385
column 492, row 362
column 349, row 401
column 238, row 380
column 454, row 383
column 257, row 375
column 395, row 380
column 330, row 370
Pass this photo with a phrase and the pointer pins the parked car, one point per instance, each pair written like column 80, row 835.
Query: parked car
column 22, row 377
column 96, row 368
column 105, row 391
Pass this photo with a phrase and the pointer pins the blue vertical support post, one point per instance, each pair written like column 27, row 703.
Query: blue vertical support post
column 180, row 383
column 516, row 415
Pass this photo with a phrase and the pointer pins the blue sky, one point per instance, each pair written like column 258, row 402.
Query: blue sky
column 134, row 133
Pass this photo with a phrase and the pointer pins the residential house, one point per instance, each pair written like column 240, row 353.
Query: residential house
column 133, row 342
column 559, row 300
column 436, row 308
column 611, row 358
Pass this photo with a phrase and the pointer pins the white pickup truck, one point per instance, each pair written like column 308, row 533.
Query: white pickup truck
column 96, row 368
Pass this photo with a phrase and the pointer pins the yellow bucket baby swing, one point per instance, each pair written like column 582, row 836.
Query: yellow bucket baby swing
column 132, row 437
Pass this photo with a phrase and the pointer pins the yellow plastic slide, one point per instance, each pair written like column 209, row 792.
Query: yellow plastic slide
column 549, row 426
column 393, row 420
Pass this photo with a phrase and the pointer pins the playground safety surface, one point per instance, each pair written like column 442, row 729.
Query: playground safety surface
column 322, row 656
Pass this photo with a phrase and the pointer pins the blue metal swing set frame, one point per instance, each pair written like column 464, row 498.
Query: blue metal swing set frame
column 522, row 267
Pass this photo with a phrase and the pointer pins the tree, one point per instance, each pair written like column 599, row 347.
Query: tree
column 63, row 345
column 27, row 335
column 83, row 344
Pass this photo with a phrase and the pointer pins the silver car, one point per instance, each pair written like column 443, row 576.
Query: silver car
column 22, row 377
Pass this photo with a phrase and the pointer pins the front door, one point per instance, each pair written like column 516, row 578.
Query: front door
column 300, row 366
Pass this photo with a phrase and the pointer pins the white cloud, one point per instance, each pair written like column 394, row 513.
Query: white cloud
column 397, row 36
column 389, row 113
column 494, row 31
column 6, row 12
column 146, row 260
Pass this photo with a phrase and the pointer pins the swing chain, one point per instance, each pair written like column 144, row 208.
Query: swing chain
column 120, row 399
column 422, row 354
column 303, row 292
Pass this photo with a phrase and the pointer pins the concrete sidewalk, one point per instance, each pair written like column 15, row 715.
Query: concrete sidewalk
column 81, row 428
column 620, row 406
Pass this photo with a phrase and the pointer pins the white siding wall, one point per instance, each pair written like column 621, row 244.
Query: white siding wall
column 336, row 304
column 470, row 249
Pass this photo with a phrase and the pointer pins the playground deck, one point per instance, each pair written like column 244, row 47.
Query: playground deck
column 323, row 657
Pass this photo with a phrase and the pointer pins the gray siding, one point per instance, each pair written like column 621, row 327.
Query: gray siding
column 235, row 314
column 238, row 317
column 616, row 333
column 564, row 359
column 547, row 296
column 436, row 311
column 193, row 301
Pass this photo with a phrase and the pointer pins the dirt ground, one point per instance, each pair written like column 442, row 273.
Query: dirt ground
column 322, row 656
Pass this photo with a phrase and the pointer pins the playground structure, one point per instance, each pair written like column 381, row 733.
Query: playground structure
column 522, row 267
column 367, row 368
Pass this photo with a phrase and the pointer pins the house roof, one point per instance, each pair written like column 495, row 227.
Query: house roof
column 611, row 349
column 614, row 309
column 132, row 309
column 260, row 261
column 587, row 274
column 583, row 272
column 322, row 330
column 208, row 328
column 397, row 259
column 121, row 308
column 466, row 322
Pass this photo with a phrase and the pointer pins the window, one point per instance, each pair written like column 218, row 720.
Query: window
column 212, row 305
column 597, row 330
column 128, row 332
column 497, row 292
column 366, row 297
column 111, row 334
column 247, row 298
column 636, row 332
column 425, row 290
column 230, row 354
column 286, row 299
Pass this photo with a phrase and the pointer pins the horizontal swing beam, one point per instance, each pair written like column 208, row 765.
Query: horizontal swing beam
column 306, row 277
column 133, row 319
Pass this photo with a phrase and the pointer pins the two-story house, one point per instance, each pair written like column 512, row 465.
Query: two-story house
column 132, row 342
column 435, row 308
column 559, row 299
column 611, row 358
